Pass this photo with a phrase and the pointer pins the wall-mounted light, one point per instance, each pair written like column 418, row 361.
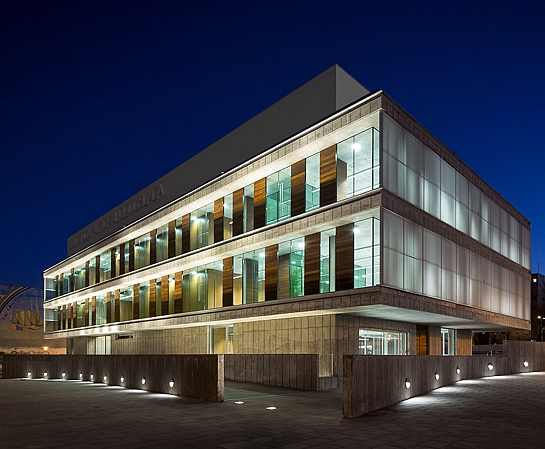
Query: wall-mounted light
column 63, row 375
column 45, row 374
column 105, row 378
column 525, row 363
column 458, row 370
column 29, row 374
column 407, row 383
column 92, row 376
column 171, row 383
column 122, row 379
column 271, row 408
column 143, row 381
column 436, row 375
column 490, row 367
column 81, row 375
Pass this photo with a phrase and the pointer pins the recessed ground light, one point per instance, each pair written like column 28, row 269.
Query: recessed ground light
column 239, row 402
column 407, row 383
column 143, row 381
column 525, row 363
column 490, row 367
column 436, row 375
column 271, row 408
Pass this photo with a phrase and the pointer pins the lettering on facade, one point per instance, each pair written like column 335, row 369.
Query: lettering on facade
column 123, row 211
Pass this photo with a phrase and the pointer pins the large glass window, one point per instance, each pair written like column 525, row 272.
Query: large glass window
column 327, row 261
column 312, row 182
column 357, row 163
column 291, row 270
column 178, row 236
column 142, row 251
column 80, row 314
column 125, row 304
column 161, row 247
column 372, row 342
column 105, row 266
column 143, row 300
column 249, row 277
column 366, row 253
column 279, row 196
column 202, row 227
column 203, row 287
column 100, row 309
column 79, row 277
column 228, row 216
column 448, row 341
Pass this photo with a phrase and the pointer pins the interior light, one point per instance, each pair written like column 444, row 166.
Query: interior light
column 239, row 402
column 436, row 375
column 122, row 379
column 490, row 367
column 407, row 383
column 171, row 383
column 271, row 408
column 143, row 381
column 458, row 370
column 525, row 363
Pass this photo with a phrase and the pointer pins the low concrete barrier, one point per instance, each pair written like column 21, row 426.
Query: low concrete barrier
column 310, row 372
column 374, row 382
column 193, row 376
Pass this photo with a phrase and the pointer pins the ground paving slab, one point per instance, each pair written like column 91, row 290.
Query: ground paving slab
column 494, row 412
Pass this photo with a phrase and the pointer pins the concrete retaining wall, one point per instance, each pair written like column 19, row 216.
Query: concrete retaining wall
column 194, row 376
column 373, row 382
column 300, row 371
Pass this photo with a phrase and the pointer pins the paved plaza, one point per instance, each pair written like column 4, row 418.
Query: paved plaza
column 496, row 412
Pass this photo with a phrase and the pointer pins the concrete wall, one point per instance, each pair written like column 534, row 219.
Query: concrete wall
column 298, row 371
column 195, row 376
column 374, row 382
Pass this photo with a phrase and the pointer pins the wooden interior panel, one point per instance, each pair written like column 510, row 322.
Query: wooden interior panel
column 238, row 214
column 312, row 264
column 271, row 265
column 71, row 315
column 344, row 257
column 283, row 277
column 186, row 221
column 164, row 295
column 171, row 238
column 87, row 274
column 59, row 318
column 86, row 316
column 153, row 247
column 72, row 279
column 113, row 273
column 218, row 220
column 421, row 339
column 131, row 255
column 328, row 176
column 152, row 291
column 108, row 308
column 178, row 292
column 135, row 301
column 94, row 310
column 117, row 305
column 298, row 191
column 260, row 204
column 227, row 282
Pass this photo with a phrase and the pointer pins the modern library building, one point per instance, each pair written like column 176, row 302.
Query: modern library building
column 331, row 223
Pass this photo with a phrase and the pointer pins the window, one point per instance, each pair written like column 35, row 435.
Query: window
column 448, row 341
column 279, row 196
column 105, row 266
column 142, row 251
column 201, row 228
column 373, row 342
column 327, row 261
column 161, row 239
column 291, row 270
column 312, row 182
column 249, row 277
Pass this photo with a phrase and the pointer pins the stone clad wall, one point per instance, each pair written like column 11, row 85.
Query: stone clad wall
column 374, row 382
column 194, row 376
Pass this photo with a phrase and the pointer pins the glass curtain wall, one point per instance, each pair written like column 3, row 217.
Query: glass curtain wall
column 161, row 246
column 312, row 182
column 249, row 277
column 327, row 261
column 248, row 208
column 291, row 269
column 279, row 196
column 100, row 309
column 125, row 304
column 105, row 266
column 202, row 227
column 142, row 251
column 202, row 287
column 366, row 252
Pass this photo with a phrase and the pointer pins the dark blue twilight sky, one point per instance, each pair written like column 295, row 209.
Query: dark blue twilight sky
column 100, row 98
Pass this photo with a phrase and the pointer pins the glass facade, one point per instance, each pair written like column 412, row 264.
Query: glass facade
column 375, row 342
column 279, row 196
column 291, row 268
column 249, row 277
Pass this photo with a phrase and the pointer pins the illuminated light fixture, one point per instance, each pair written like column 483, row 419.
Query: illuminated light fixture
column 525, row 363
column 105, row 378
column 92, row 376
column 81, row 375
column 193, row 273
column 29, row 374
column 356, row 230
column 458, row 370
column 122, row 379
column 271, row 408
column 143, row 381
column 356, row 146
column 239, row 402
column 301, row 245
column 63, row 375
column 262, row 255
column 171, row 383
column 490, row 367
column 45, row 374
column 436, row 375
column 407, row 383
